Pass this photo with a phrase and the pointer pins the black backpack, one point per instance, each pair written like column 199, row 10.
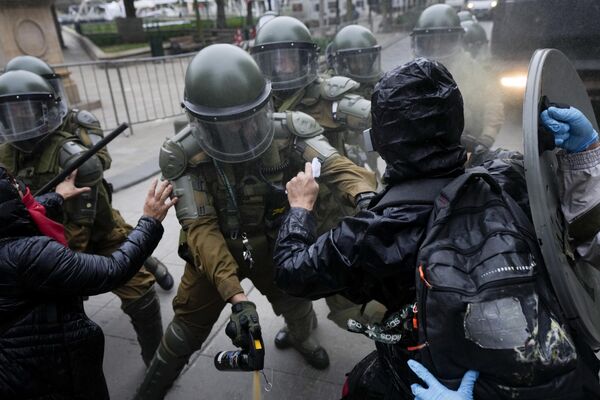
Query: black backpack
column 483, row 298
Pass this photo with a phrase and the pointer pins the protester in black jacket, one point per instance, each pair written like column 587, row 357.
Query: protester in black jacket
column 417, row 114
column 49, row 348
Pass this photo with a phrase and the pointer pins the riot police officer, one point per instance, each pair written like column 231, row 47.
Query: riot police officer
column 228, row 168
column 438, row 35
column 36, row 145
column 475, row 39
column 355, row 53
column 288, row 57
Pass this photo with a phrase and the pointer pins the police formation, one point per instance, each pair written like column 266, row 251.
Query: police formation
column 439, row 290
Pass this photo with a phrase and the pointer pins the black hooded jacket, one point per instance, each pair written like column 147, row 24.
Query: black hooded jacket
column 372, row 255
column 49, row 348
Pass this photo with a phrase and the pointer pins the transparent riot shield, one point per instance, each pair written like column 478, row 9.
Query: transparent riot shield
column 551, row 76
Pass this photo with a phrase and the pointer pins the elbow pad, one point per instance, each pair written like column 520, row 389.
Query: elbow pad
column 88, row 174
column 352, row 111
column 316, row 146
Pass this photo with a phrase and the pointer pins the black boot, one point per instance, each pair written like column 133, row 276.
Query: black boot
column 146, row 320
column 310, row 349
column 161, row 273
column 174, row 351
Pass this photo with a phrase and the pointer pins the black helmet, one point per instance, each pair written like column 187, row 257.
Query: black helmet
column 29, row 109
column 417, row 113
column 286, row 53
column 438, row 32
column 41, row 68
column 227, row 100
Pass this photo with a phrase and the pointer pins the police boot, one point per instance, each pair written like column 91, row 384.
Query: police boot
column 145, row 318
column 161, row 273
column 297, row 334
column 176, row 348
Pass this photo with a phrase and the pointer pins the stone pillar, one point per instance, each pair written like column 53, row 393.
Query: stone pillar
column 27, row 28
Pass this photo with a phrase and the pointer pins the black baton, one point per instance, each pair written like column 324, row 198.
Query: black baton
column 86, row 156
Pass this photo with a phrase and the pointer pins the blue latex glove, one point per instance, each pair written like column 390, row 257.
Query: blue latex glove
column 437, row 391
column 572, row 130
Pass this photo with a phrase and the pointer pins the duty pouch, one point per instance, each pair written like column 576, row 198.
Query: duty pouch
column 81, row 209
column 183, row 250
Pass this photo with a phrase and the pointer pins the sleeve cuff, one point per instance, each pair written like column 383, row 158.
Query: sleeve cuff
column 229, row 287
column 581, row 160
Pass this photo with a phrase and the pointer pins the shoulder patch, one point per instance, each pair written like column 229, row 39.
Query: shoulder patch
column 336, row 86
column 302, row 125
column 87, row 119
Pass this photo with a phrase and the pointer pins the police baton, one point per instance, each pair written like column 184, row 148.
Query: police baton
column 79, row 162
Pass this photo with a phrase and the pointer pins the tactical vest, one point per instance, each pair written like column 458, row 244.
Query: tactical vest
column 250, row 197
column 39, row 167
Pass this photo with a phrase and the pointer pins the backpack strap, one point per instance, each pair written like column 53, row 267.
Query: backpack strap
column 453, row 191
column 422, row 191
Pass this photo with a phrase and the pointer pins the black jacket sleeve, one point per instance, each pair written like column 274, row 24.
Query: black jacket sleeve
column 365, row 248
column 45, row 266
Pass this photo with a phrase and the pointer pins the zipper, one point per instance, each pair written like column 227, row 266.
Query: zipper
column 491, row 284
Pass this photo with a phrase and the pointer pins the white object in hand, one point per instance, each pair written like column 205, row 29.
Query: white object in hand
column 316, row 167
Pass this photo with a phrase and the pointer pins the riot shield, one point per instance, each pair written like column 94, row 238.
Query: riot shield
column 551, row 76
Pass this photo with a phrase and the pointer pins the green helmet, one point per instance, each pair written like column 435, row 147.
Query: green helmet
column 266, row 17
column 466, row 16
column 41, row 68
column 438, row 33
column 286, row 53
column 228, row 103
column 29, row 109
column 475, row 38
column 354, row 53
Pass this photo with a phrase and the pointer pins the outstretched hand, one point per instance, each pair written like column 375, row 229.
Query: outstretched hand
column 303, row 189
column 435, row 390
column 67, row 188
column 158, row 201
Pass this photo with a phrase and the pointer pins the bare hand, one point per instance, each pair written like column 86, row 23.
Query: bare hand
column 158, row 201
column 67, row 188
column 302, row 190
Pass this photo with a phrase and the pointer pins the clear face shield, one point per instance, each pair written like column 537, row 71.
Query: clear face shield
column 436, row 45
column 235, row 140
column 59, row 89
column 288, row 67
column 28, row 118
column 362, row 65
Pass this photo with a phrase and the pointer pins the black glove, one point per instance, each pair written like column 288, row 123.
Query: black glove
column 243, row 319
column 362, row 200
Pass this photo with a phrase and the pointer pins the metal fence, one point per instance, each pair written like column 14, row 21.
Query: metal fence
column 133, row 90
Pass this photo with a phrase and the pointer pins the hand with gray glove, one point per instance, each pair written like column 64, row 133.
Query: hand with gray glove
column 572, row 130
column 243, row 320
column 435, row 390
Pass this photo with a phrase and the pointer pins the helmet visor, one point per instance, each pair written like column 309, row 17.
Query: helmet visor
column 288, row 68
column 28, row 119
column 235, row 140
column 361, row 65
column 436, row 45
column 59, row 89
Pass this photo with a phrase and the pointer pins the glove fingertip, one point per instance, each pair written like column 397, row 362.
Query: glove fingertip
column 417, row 389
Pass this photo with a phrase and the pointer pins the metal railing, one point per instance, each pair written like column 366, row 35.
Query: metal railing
column 133, row 90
